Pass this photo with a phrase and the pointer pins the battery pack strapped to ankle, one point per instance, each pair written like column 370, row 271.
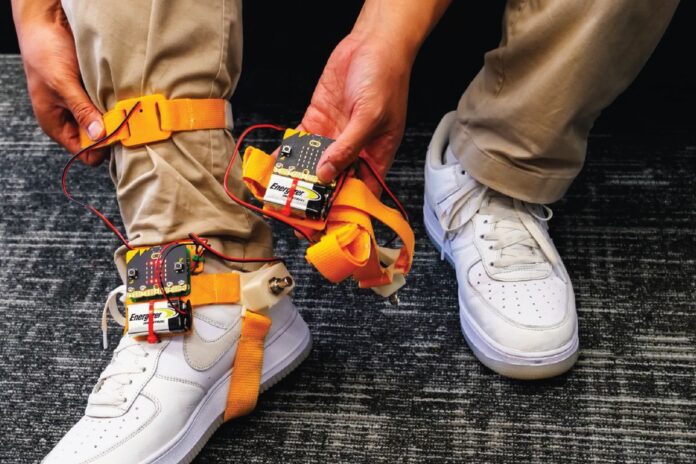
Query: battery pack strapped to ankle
column 165, row 284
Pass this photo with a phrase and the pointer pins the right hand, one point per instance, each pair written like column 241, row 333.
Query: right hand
column 360, row 101
column 60, row 103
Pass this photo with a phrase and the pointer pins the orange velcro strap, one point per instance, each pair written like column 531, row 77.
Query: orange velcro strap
column 157, row 118
column 214, row 289
column 248, row 364
column 340, row 252
column 332, row 255
column 355, row 194
column 257, row 167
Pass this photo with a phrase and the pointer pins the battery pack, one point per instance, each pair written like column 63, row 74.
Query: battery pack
column 308, row 200
column 166, row 319
column 294, row 188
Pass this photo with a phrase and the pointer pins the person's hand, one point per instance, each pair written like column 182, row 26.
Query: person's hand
column 53, row 78
column 360, row 101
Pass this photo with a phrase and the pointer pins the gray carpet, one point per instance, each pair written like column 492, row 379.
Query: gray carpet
column 383, row 384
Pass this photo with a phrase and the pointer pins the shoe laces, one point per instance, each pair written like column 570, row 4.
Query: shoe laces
column 110, row 307
column 126, row 361
column 516, row 229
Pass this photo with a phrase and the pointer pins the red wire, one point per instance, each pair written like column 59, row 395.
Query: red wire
column 71, row 161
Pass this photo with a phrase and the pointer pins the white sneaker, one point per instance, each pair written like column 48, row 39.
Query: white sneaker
column 160, row 403
column 516, row 302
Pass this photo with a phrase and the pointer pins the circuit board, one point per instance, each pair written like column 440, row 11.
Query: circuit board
column 299, row 155
column 143, row 281
column 294, row 187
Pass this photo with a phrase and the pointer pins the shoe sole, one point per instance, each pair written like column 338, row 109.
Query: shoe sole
column 289, row 348
column 505, row 364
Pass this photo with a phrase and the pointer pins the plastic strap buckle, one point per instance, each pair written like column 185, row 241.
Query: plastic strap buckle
column 143, row 125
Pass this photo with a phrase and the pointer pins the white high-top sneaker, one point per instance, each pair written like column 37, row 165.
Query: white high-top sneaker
column 516, row 302
column 160, row 403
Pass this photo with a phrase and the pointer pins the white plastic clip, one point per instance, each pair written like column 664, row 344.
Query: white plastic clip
column 263, row 288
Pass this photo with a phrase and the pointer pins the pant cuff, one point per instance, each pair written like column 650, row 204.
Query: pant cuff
column 504, row 177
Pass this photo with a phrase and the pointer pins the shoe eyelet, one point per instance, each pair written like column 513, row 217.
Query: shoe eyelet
column 490, row 247
column 143, row 369
column 485, row 221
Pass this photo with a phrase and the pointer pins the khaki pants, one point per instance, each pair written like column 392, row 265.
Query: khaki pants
column 181, row 49
column 523, row 122
column 522, row 126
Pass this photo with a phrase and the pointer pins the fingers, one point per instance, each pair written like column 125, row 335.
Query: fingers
column 87, row 117
column 85, row 113
column 66, row 134
column 344, row 151
column 95, row 157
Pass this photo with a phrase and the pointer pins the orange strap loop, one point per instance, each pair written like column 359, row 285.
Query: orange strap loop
column 248, row 365
column 157, row 118
column 340, row 253
column 256, row 171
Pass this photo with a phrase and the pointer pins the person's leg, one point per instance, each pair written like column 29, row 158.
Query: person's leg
column 168, row 189
column 522, row 124
column 160, row 399
column 519, row 137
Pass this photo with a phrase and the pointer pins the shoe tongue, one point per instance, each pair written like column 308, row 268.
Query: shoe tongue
column 498, row 201
column 498, row 204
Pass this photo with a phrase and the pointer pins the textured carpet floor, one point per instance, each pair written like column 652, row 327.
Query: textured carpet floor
column 383, row 384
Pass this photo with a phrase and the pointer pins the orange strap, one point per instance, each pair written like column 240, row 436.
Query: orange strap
column 355, row 204
column 158, row 117
column 248, row 364
column 341, row 252
column 214, row 289
column 256, row 170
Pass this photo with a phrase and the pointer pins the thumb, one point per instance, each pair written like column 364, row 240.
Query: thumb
column 345, row 150
column 83, row 110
